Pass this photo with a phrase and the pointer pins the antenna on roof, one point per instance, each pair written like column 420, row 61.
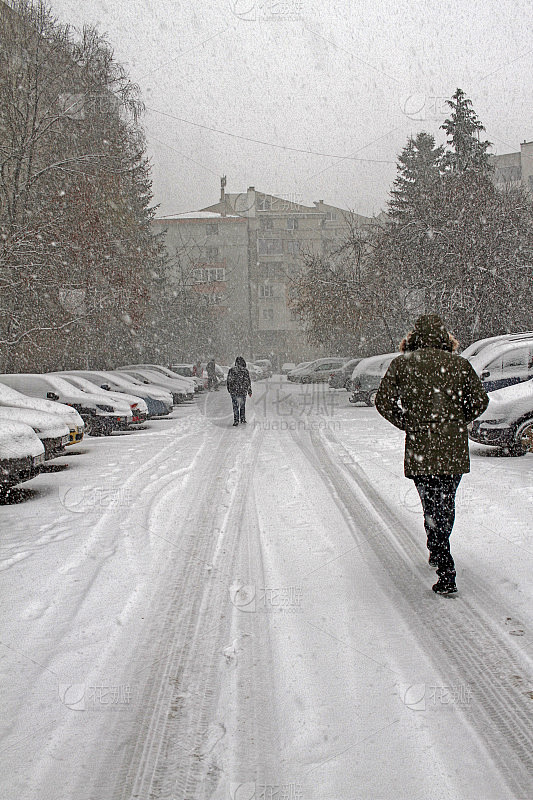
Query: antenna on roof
column 223, row 195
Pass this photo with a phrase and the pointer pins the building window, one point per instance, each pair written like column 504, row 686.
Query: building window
column 266, row 290
column 209, row 274
column 269, row 247
column 271, row 270
column 267, row 223
column 293, row 247
column 264, row 204
column 268, row 313
column 212, row 228
column 330, row 216
column 292, row 224
column 211, row 253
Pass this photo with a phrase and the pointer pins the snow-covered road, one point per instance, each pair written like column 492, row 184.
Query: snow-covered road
column 197, row 611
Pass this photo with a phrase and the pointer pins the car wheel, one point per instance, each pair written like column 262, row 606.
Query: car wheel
column 306, row 379
column 523, row 436
column 372, row 398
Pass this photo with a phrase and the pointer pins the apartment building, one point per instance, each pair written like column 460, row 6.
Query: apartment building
column 515, row 168
column 242, row 253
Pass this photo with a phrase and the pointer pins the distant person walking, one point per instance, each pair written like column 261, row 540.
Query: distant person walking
column 212, row 382
column 432, row 395
column 239, row 385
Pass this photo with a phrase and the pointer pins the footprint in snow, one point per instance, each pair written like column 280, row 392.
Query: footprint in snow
column 230, row 653
column 517, row 630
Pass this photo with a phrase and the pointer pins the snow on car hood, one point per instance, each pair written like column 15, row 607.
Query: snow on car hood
column 48, row 425
column 14, row 399
column 511, row 401
column 18, row 441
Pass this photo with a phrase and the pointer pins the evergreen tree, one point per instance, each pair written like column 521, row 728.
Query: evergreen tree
column 455, row 244
column 463, row 128
column 418, row 170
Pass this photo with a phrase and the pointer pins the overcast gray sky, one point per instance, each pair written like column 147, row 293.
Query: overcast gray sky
column 347, row 80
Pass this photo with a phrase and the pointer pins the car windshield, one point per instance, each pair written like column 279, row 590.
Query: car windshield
column 60, row 383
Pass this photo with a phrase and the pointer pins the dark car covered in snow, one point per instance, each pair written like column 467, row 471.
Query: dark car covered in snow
column 21, row 454
column 507, row 421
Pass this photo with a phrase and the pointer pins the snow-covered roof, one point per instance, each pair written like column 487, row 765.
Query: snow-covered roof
column 197, row 215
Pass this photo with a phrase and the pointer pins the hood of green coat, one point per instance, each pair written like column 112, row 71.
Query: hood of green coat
column 430, row 331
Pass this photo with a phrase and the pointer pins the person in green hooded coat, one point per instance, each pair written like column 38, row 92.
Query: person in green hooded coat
column 432, row 394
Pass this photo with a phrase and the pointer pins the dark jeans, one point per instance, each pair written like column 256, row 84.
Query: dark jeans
column 437, row 493
column 212, row 382
column 239, row 405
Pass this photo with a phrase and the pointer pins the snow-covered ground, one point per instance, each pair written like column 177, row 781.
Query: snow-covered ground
column 201, row 611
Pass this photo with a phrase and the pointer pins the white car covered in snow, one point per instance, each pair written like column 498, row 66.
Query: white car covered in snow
column 100, row 415
column 21, row 453
column 138, row 407
column 180, row 388
column 51, row 430
column 11, row 398
column 186, row 384
column 158, row 401
column 508, row 419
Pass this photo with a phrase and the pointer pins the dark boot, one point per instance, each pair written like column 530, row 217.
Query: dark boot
column 445, row 585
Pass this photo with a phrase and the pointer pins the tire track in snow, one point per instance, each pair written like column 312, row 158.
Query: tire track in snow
column 176, row 746
column 458, row 636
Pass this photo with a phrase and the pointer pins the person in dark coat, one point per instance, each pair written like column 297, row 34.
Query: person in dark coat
column 212, row 382
column 432, row 395
column 239, row 385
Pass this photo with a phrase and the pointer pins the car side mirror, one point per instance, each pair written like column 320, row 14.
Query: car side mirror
column 52, row 396
column 106, row 386
column 147, row 382
column 485, row 374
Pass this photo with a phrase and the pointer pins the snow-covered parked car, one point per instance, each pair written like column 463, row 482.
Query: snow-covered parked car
column 99, row 414
column 157, row 401
column 11, row 398
column 51, row 430
column 367, row 376
column 341, row 378
column 507, row 421
column 317, row 371
column 292, row 374
column 287, row 367
column 21, row 453
column 476, row 347
column 256, row 372
column 504, row 363
column 266, row 365
column 180, row 388
column 138, row 407
column 188, row 382
column 188, row 371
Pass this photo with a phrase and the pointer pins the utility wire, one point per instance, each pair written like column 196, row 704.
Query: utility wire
column 269, row 144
